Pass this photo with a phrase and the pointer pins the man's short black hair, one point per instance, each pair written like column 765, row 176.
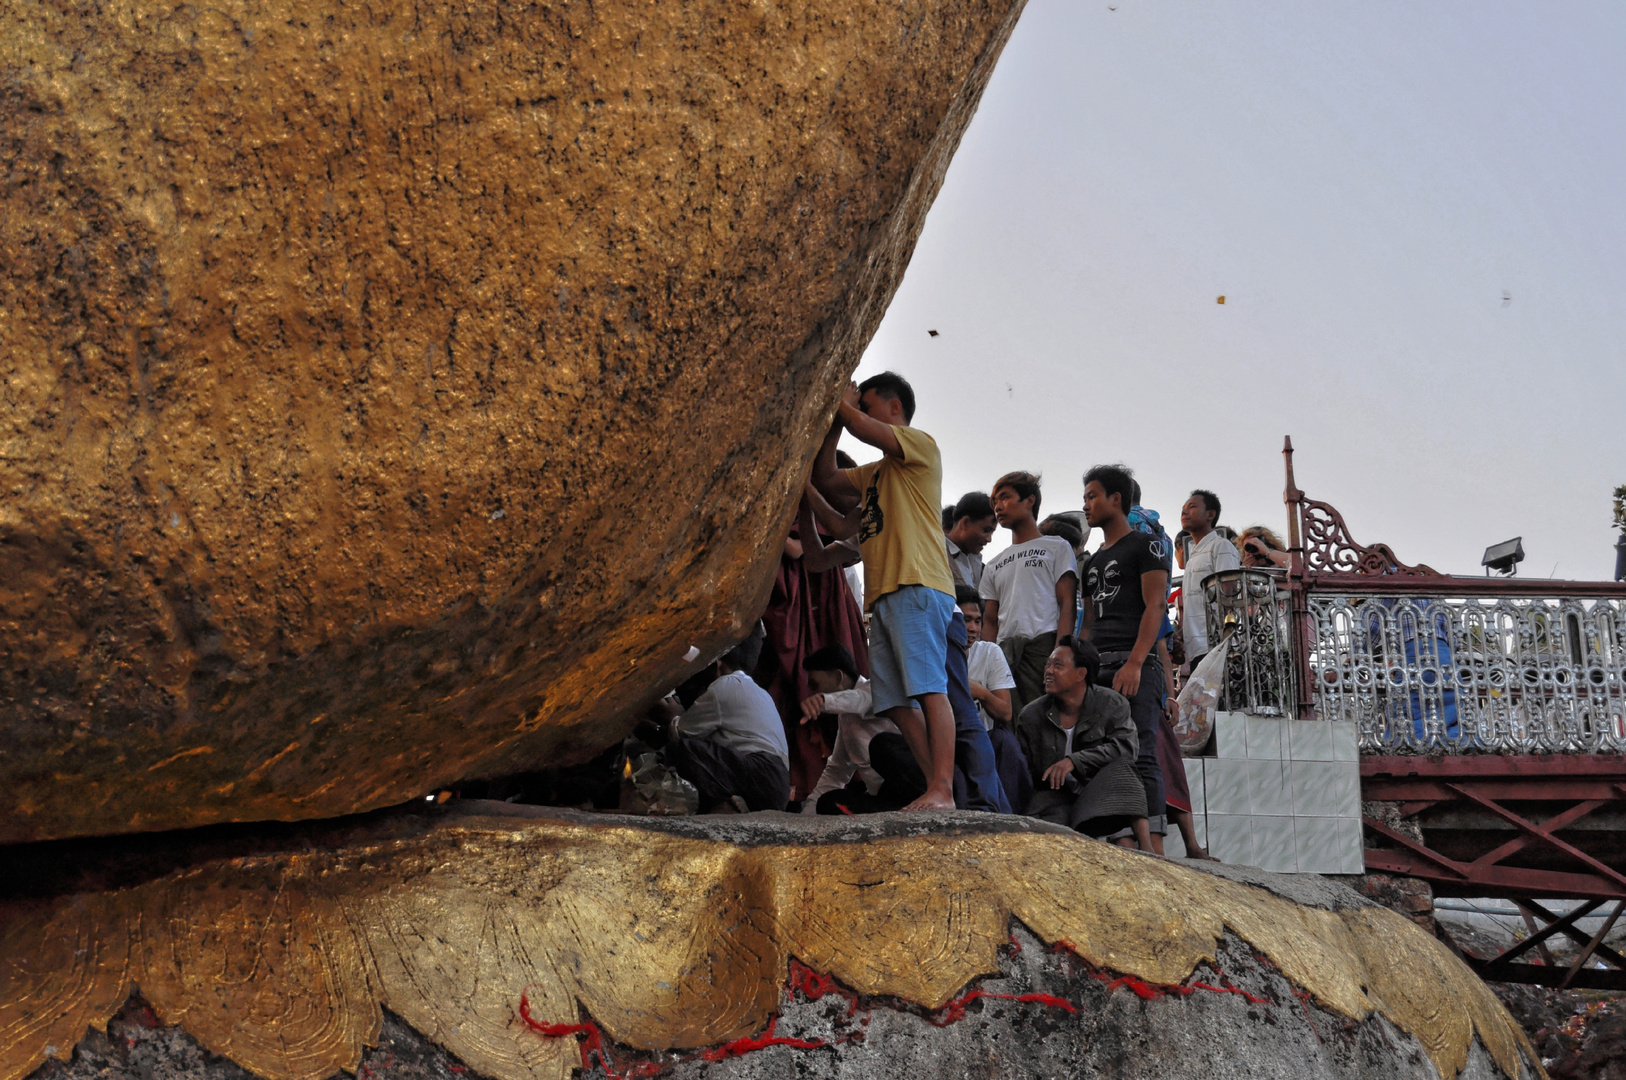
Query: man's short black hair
column 744, row 656
column 965, row 594
column 889, row 384
column 974, row 505
column 1025, row 484
column 832, row 658
column 1210, row 503
column 1134, row 494
column 1060, row 526
column 948, row 518
column 1084, row 655
column 1114, row 480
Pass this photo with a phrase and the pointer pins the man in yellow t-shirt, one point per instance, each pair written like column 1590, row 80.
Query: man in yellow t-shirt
column 908, row 586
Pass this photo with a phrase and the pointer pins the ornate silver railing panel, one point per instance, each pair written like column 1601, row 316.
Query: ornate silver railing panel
column 1252, row 606
column 1501, row 674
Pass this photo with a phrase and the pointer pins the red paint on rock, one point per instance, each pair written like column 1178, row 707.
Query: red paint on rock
column 741, row 1047
column 814, row 986
column 954, row 1011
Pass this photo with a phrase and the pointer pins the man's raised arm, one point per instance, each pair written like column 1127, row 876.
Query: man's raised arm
column 841, row 526
column 816, row 555
column 865, row 428
column 828, row 478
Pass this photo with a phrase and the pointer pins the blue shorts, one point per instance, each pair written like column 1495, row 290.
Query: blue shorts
column 908, row 645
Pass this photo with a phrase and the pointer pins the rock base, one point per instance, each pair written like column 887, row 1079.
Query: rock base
column 524, row 944
column 1049, row 1013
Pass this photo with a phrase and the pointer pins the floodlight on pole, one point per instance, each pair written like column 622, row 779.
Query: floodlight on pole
column 1505, row 557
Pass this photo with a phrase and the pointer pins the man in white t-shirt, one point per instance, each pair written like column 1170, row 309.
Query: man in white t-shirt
column 732, row 746
column 990, row 675
column 1030, row 587
column 1210, row 553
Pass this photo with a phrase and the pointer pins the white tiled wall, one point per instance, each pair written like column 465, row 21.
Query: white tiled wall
column 1282, row 795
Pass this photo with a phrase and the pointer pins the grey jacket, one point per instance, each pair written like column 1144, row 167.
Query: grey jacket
column 1105, row 733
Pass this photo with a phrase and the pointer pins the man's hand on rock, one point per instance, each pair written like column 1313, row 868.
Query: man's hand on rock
column 850, row 396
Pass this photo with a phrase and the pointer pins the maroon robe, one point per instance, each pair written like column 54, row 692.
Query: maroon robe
column 806, row 613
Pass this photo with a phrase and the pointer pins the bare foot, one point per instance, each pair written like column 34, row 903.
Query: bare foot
column 932, row 801
column 1201, row 856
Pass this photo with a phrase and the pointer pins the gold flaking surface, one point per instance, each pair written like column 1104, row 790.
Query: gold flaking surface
column 283, row 962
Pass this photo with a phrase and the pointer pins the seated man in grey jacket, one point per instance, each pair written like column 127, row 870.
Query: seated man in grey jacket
column 731, row 743
column 1080, row 743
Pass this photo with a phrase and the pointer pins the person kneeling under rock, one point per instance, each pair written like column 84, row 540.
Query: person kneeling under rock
column 731, row 743
column 839, row 689
column 1080, row 743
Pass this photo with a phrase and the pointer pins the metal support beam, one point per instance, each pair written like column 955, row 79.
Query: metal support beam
column 1574, row 934
column 1568, row 788
column 1593, row 945
column 1538, row 832
column 1538, row 938
column 1552, row 824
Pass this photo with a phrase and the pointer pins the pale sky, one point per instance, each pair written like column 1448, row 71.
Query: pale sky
column 1416, row 214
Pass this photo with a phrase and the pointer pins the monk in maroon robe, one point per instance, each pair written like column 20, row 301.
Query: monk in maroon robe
column 811, row 607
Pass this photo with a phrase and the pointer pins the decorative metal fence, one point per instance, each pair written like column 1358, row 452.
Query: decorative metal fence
column 1422, row 662
column 1504, row 674
column 1252, row 607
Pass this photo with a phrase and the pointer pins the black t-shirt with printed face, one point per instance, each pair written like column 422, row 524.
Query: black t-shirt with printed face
column 1112, row 586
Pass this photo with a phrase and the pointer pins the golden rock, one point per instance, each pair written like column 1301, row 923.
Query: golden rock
column 395, row 393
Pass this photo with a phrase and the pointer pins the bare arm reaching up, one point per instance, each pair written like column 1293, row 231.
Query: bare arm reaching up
column 841, row 526
column 816, row 555
column 865, row 428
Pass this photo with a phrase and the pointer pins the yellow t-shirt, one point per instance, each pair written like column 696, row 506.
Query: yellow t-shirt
column 901, row 535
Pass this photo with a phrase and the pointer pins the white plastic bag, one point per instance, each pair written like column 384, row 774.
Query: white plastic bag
column 1199, row 700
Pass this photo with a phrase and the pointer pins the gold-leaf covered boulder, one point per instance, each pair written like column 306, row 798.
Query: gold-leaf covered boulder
column 520, row 944
column 394, row 393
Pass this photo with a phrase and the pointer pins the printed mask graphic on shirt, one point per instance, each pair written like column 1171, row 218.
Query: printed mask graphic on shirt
column 1104, row 584
column 872, row 521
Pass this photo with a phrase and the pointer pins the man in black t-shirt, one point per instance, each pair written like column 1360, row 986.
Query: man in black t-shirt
column 1125, row 590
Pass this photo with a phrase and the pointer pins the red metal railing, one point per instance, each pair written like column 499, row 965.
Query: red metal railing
column 1493, row 720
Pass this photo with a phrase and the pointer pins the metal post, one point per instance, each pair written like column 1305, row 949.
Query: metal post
column 1298, row 609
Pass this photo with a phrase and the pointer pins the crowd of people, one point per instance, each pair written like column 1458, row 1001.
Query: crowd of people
column 1038, row 681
